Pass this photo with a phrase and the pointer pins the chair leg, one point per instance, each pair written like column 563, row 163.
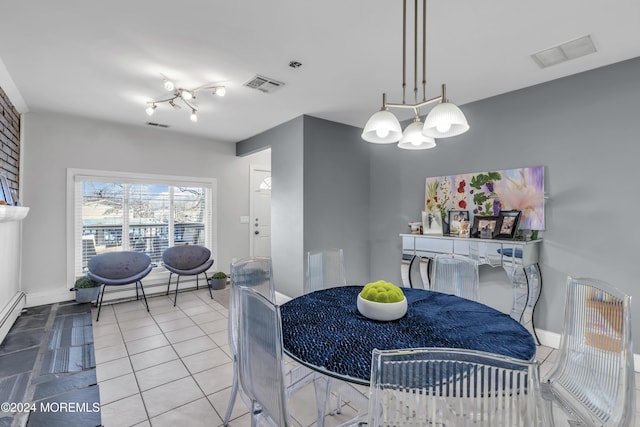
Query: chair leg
column 143, row 295
column 197, row 282
column 206, row 279
column 175, row 299
column 169, row 284
column 100, row 302
column 234, row 393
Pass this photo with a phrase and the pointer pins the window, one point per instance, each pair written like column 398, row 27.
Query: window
column 133, row 212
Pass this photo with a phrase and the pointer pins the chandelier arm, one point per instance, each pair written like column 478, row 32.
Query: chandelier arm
column 164, row 100
column 418, row 105
column 189, row 104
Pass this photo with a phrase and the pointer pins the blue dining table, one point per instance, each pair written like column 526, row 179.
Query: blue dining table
column 324, row 331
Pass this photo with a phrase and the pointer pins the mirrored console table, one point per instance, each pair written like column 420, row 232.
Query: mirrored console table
column 519, row 259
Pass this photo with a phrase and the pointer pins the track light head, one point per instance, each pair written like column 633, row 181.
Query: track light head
column 151, row 108
column 220, row 90
column 194, row 115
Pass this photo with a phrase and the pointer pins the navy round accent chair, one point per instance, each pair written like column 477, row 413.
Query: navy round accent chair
column 118, row 269
column 187, row 260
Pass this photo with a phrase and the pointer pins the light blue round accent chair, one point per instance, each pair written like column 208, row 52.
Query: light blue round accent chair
column 187, row 260
column 118, row 269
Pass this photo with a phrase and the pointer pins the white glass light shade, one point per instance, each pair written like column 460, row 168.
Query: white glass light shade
column 150, row 109
column 168, row 85
column 445, row 120
column 382, row 128
column 194, row 116
column 220, row 91
column 413, row 139
column 186, row 94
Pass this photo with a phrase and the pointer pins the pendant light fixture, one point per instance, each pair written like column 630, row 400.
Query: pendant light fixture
column 443, row 121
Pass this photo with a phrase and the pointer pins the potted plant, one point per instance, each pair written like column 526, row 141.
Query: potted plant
column 86, row 288
column 218, row 280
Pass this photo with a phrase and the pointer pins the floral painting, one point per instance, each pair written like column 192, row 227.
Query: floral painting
column 487, row 193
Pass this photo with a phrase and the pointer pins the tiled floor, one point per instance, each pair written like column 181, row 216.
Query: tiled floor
column 172, row 366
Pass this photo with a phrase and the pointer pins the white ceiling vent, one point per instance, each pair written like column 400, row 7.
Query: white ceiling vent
column 264, row 84
column 564, row 52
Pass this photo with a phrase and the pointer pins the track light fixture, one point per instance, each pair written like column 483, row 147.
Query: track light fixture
column 186, row 96
column 444, row 120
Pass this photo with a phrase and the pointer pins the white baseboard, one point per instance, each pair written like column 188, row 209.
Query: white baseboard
column 552, row 339
column 35, row 299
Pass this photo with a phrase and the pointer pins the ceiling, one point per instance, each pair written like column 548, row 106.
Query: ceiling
column 104, row 59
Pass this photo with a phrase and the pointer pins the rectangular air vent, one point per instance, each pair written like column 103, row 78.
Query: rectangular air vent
column 264, row 84
column 160, row 125
column 564, row 52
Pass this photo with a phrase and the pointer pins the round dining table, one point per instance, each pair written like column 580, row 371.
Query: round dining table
column 324, row 331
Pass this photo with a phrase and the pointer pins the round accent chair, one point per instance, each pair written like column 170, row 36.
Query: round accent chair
column 118, row 269
column 187, row 260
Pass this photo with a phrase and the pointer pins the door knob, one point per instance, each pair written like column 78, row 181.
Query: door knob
column 256, row 232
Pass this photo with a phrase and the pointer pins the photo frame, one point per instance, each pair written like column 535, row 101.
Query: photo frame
column 455, row 218
column 432, row 223
column 507, row 224
column 5, row 191
column 484, row 226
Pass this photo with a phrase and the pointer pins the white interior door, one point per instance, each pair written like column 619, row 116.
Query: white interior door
column 260, row 211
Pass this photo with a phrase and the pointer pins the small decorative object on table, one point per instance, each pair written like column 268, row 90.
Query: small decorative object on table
column 507, row 224
column 414, row 227
column 455, row 221
column 382, row 301
column 484, row 223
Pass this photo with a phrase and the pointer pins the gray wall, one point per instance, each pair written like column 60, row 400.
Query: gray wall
column 584, row 129
column 336, row 193
column 319, row 197
column 54, row 142
column 287, row 201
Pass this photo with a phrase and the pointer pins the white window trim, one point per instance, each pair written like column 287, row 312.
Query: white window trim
column 73, row 174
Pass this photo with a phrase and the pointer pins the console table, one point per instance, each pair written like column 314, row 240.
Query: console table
column 518, row 258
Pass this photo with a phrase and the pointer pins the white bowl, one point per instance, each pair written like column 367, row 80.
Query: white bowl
column 382, row 310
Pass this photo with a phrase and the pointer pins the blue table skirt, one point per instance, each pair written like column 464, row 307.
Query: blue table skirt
column 324, row 329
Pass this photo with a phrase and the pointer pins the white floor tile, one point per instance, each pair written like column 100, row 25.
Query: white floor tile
column 161, row 374
column 205, row 360
column 126, row 412
column 113, row 368
column 198, row 413
column 215, row 379
column 170, row 396
column 144, row 344
column 118, row 388
column 184, row 334
column 193, row 346
column 153, row 357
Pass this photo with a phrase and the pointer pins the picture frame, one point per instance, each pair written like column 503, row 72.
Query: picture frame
column 455, row 218
column 507, row 224
column 432, row 223
column 484, row 226
column 5, row 191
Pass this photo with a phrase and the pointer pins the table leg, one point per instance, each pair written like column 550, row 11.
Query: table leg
column 527, row 284
column 321, row 386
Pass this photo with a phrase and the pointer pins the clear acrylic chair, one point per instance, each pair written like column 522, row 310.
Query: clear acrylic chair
column 593, row 379
column 455, row 275
column 454, row 387
column 325, row 269
column 260, row 358
column 254, row 273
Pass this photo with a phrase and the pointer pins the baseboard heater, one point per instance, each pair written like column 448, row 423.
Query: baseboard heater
column 10, row 313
